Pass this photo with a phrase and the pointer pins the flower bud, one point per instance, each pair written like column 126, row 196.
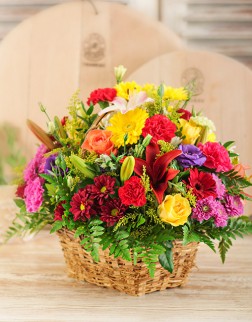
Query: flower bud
column 127, row 168
column 70, row 182
column 119, row 73
column 51, row 127
column 82, row 166
column 60, row 128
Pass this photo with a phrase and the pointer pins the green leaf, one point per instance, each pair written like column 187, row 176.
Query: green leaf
column 81, row 230
column 189, row 236
column 160, row 90
column 57, row 225
column 166, row 260
column 228, row 144
column 91, row 109
column 19, row 202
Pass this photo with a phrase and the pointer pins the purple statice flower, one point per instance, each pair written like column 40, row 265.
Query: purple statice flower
column 207, row 208
column 33, row 195
column 36, row 165
column 220, row 187
column 191, row 156
column 50, row 163
column 233, row 205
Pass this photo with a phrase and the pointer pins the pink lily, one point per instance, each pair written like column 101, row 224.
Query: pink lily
column 122, row 105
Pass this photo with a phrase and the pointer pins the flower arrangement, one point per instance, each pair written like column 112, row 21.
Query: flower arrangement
column 142, row 172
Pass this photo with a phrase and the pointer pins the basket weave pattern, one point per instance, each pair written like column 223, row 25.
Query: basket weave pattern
column 122, row 275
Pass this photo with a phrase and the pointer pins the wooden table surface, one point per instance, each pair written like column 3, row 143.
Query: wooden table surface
column 34, row 287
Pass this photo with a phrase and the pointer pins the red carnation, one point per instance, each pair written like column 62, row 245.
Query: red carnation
column 160, row 128
column 185, row 114
column 101, row 95
column 20, row 191
column 133, row 192
column 217, row 156
column 202, row 184
column 112, row 211
column 82, row 205
column 59, row 211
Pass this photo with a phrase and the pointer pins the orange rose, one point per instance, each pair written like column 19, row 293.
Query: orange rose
column 98, row 141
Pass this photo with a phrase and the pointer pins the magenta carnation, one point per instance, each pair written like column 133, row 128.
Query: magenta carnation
column 216, row 156
column 33, row 195
column 160, row 128
column 36, row 165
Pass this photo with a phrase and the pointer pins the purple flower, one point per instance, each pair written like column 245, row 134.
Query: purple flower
column 233, row 205
column 50, row 163
column 191, row 156
column 210, row 208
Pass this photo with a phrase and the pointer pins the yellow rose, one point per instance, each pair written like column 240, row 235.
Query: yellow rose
column 174, row 210
column 190, row 131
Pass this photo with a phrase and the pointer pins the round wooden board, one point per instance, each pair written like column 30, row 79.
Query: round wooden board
column 224, row 89
column 69, row 47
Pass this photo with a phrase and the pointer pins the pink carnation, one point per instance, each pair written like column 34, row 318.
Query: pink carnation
column 216, row 156
column 33, row 195
column 160, row 128
column 36, row 165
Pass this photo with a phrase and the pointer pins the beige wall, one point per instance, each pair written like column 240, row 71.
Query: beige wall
column 223, row 26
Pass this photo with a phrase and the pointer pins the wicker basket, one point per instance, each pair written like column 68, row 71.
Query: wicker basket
column 122, row 275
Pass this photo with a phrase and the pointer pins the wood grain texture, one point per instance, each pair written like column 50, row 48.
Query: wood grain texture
column 35, row 288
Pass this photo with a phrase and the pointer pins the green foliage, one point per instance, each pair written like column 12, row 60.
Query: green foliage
column 90, row 234
column 149, row 254
column 26, row 223
column 235, row 228
column 235, row 183
column 166, row 259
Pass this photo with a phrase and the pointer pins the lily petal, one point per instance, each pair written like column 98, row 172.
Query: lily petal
column 161, row 164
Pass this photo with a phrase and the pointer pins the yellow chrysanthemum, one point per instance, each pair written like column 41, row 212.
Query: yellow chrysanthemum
column 125, row 89
column 130, row 123
column 150, row 89
column 175, row 94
